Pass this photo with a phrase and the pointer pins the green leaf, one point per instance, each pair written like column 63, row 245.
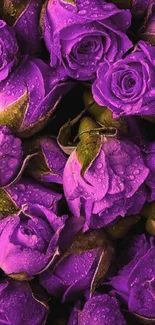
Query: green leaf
column 7, row 205
column 13, row 115
column 87, row 150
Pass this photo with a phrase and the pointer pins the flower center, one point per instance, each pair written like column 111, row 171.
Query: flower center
column 86, row 47
column 129, row 83
column 25, row 230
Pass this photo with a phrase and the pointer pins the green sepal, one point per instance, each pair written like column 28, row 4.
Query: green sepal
column 121, row 227
column 38, row 165
column 20, row 276
column 13, row 115
column 87, row 151
column 7, row 205
column 13, row 9
column 64, row 138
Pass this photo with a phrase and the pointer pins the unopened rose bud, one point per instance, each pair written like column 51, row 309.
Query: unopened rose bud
column 48, row 164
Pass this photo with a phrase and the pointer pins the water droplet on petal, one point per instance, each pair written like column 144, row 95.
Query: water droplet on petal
column 99, row 166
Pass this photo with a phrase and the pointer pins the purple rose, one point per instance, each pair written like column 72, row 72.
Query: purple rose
column 80, row 267
column 30, row 95
column 100, row 309
column 48, row 165
column 29, row 241
column 27, row 27
column 135, row 280
column 25, row 191
column 79, row 35
column 11, row 156
column 8, row 50
column 111, row 187
column 19, row 306
column 127, row 87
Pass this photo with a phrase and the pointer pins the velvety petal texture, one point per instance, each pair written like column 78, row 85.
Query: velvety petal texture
column 29, row 240
column 26, row 191
column 8, row 50
column 30, row 95
column 11, row 155
column 111, row 185
column 79, row 35
column 150, row 163
column 18, row 305
column 127, row 87
column 27, row 30
column 48, row 164
column 100, row 309
column 135, row 280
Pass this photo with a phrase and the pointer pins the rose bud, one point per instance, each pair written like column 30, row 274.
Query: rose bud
column 135, row 280
column 24, row 191
column 79, row 35
column 19, row 305
column 29, row 96
column 80, row 268
column 127, row 86
column 8, row 50
column 29, row 241
column 11, row 156
column 48, row 164
column 100, row 309
column 24, row 17
column 103, row 179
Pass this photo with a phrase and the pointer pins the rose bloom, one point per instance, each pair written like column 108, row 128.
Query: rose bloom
column 112, row 186
column 29, row 240
column 127, row 86
column 81, row 35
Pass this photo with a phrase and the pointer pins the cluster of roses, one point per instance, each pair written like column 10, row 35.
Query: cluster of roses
column 70, row 191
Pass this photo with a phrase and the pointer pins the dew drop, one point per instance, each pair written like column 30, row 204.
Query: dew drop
column 99, row 166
